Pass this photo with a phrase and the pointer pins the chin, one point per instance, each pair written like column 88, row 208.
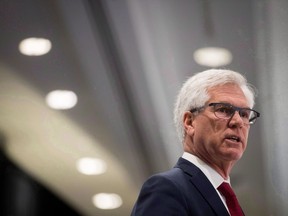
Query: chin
column 234, row 155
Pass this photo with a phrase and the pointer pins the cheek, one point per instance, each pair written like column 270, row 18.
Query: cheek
column 219, row 124
column 203, row 133
column 246, row 133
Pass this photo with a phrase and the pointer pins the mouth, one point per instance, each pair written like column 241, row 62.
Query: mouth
column 233, row 138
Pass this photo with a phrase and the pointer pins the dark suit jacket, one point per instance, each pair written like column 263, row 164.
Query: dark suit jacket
column 182, row 191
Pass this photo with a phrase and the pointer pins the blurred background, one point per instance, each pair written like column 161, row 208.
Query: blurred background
column 87, row 89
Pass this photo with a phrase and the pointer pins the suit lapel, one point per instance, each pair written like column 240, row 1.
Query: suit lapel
column 204, row 186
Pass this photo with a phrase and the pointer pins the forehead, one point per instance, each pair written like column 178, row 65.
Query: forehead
column 229, row 93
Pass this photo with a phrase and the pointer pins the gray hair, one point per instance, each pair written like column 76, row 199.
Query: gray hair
column 194, row 92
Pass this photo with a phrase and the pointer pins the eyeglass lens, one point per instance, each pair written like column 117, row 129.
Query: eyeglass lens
column 226, row 111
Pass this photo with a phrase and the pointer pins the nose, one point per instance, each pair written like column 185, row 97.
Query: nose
column 236, row 120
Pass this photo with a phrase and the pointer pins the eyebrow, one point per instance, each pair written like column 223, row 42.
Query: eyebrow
column 225, row 102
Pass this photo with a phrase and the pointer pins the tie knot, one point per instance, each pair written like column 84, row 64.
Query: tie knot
column 226, row 190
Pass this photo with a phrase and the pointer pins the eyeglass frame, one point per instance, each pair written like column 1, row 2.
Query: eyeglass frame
column 234, row 108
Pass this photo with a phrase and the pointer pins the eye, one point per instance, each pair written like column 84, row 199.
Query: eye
column 224, row 110
column 245, row 113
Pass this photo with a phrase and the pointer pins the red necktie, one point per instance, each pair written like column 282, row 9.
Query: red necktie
column 231, row 200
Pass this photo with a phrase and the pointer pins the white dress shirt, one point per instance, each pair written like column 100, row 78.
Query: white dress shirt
column 214, row 177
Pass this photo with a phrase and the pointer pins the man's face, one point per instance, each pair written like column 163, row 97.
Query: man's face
column 213, row 139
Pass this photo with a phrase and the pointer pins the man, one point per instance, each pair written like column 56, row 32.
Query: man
column 213, row 114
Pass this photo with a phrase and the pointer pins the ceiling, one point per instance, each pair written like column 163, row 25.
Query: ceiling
column 126, row 60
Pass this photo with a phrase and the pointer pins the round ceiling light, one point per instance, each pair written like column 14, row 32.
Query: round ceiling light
column 91, row 166
column 35, row 46
column 213, row 56
column 107, row 200
column 61, row 99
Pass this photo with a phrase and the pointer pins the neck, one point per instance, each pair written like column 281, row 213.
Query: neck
column 222, row 167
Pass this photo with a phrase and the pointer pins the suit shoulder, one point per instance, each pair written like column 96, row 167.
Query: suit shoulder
column 175, row 177
column 162, row 194
column 183, row 170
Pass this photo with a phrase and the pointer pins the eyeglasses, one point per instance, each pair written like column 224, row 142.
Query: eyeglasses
column 227, row 111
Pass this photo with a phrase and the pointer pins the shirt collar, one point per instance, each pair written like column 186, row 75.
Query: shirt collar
column 214, row 177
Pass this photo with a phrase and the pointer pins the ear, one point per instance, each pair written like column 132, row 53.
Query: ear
column 188, row 122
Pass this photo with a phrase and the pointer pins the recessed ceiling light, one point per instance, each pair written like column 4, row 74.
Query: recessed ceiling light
column 107, row 200
column 35, row 46
column 213, row 56
column 91, row 166
column 61, row 99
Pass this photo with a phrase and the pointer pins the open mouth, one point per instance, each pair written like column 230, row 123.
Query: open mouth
column 233, row 138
